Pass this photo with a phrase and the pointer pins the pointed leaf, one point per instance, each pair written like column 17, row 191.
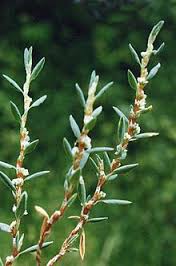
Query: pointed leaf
column 31, row 147
column 82, row 244
column 80, row 95
column 107, row 160
column 67, row 148
column 7, row 165
column 155, row 52
column 154, row 32
column 132, row 80
column 38, row 174
column 146, row 135
column 35, row 247
column 11, row 81
column 37, row 69
column 94, row 164
column 120, row 114
column 6, row 180
column 103, row 90
column 72, row 199
column 153, row 71
column 39, row 101
column 125, row 168
column 90, row 125
column 121, row 129
column 15, row 112
column 100, row 149
column 97, row 111
column 134, row 54
column 83, row 190
column 97, row 220
column 92, row 78
column 74, row 127
column 84, row 160
column 112, row 177
column 116, row 201
column 5, row 227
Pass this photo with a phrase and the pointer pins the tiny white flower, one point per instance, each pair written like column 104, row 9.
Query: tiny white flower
column 14, row 208
column 74, row 151
column 87, row 141
column 9, row 259
column 127, row 136
column 17, row 181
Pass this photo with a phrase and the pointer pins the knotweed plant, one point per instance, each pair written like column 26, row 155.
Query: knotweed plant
column 108, row 162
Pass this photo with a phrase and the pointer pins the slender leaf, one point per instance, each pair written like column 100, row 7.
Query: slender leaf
column 146, row 135
column 74, row 127
column 112, row 177
column 92, row 78
column 15, row 112
column 97, row 111
column 38, row 174
column 120, row 113
column 84, row 159
column 72, row 199
column 82, row 244
column 11, row 81
column 1, row 262
column 103, row 90
column 97, row 220
column 132, row 80
column 6, row 180
column 153, row 71
column 90, row 125
column 80, row 95
column 31, row 147
column 7, row 165
column 116, row 201
column 35, row 247
column 94, row 164
column 100, row 149
column 154, row 32
column 37, row 69
column 5, row 227
column 121, row 129
column 83, row 190
column 134, row 54
column 107, row 159
column 38, row 101
column 155, row 52
column 67, row 148
column 125, row 168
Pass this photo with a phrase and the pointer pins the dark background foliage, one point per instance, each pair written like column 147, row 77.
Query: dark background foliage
column 77, row 37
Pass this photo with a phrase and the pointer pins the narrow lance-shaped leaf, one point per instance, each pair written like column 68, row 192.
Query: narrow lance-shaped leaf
column 134, row 54
column 90, row 125
column 116, row 201
column 94, row 164
column 31, row 147
column 132, row 80
column 82, row 244
column 72, row 199
column 146, row 135
column 103, row 90
column 154, row 32
column 121, row 129
column 155, row 52
column 92, row 78
column 11, row 81
column 74, row 127
column 7, row 165
column 112, row 177
column 37, row 69
column 153, row 71
column 67, row 148
column 39, row 101
column 83, row 190
column 7, row 181
column 15, row 112
column 97, row 220
column 125, row 168
column 97, row 111
column 5, row 227
column 80, row 95
column 120, row 113
column 38, row 174
column 35, row 247
column 84, row 159
column 100, row 149
column 107, row 159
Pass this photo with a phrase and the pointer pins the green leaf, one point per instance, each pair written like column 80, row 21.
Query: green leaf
column 103, row 90
column 94, row 164
column 28, row 58
column 72, row 199
column 92, row 78
column 112, row 177
column 154, row 32
column 67, row 148
column 22, row 207
column 134, row 54
column 107, row 160
column 90, row 125
column 7, row 165
column 100, row 149
column 73, row 250
column 146, row 135
column 75, row 127
column 20, row 242
column 83, row 190
column 120, row 114
column 7, row 181
column 132, row 80
column 84, row 159
column 35, row 247
column 11, row 81
column 155, row 52
column 5, row 227
column 125, row 168
column 15, row 112
column 38, row 174
column 116, row 201
column 80, row 95
column 153, row 71
column 39, row 101
column 97, row 111
column 37, row 69
column 97, row 220
column 31, row 147
column 121, row 129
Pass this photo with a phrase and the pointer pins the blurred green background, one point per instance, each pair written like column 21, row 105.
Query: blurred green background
column 77, row 37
